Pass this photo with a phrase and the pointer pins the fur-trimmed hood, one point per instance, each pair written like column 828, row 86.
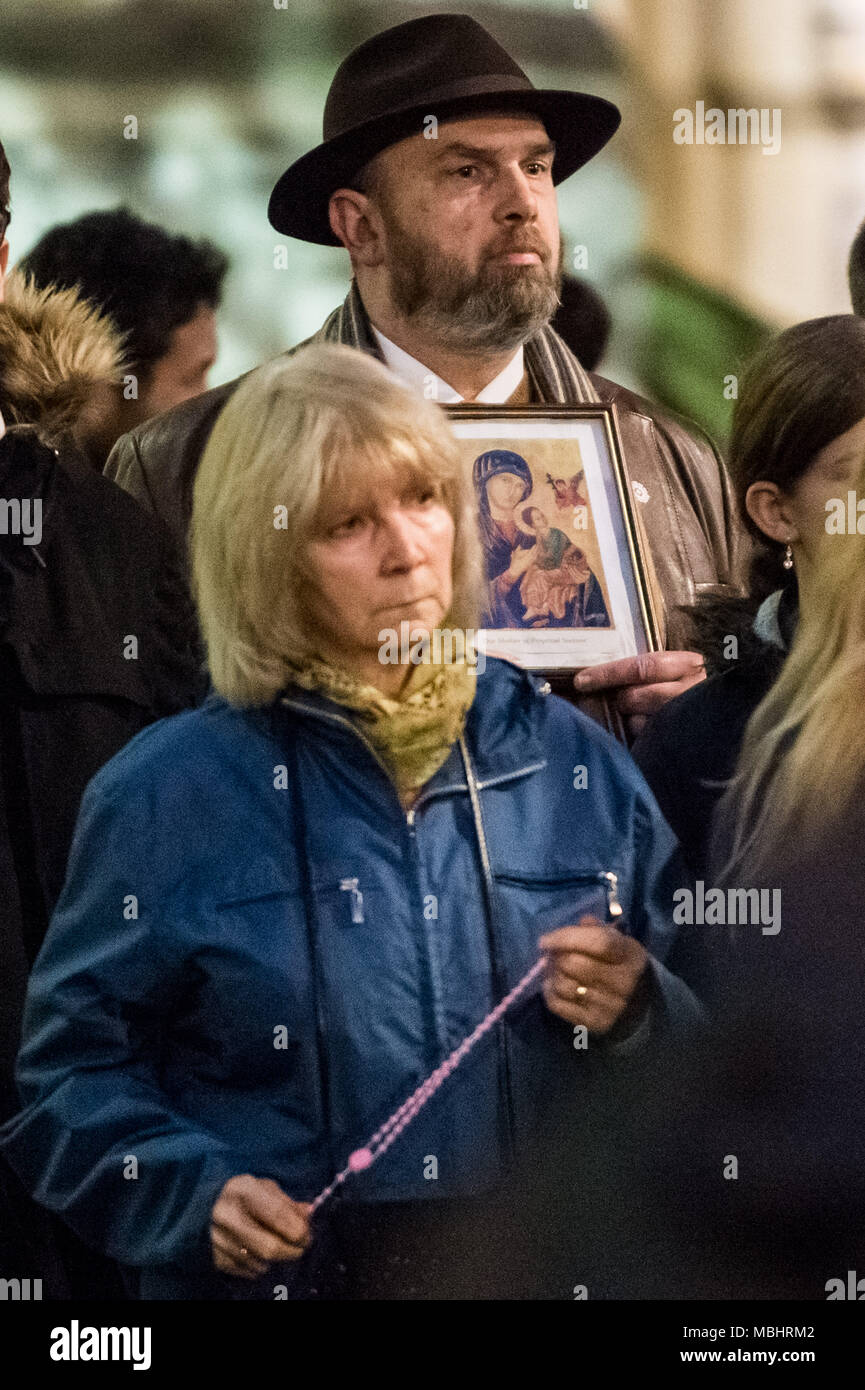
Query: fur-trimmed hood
column 55, row 349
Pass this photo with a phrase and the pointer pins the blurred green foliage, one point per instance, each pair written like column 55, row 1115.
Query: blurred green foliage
column 695, row 339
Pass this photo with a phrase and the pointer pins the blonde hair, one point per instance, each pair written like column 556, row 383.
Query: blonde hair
column 294, row 432
column 803, row 754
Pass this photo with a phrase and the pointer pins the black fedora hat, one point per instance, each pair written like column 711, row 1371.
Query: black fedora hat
column 441, row 65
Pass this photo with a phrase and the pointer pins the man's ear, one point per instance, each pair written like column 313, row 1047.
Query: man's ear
column 357, row 223
column 4, row 261
column 767, row 506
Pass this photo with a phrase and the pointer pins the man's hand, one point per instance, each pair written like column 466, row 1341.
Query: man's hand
column 592, row 973
column 642, row 683
column 254, row 1223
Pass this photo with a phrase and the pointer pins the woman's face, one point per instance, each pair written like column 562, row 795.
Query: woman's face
column 834, row 471
column 376, row 561
column 505, row 491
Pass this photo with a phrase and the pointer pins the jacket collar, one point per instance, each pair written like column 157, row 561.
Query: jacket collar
column 775, row 622
column 501, row 728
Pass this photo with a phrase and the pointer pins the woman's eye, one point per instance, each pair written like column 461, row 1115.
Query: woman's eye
column 423, row 497
column 346, row 527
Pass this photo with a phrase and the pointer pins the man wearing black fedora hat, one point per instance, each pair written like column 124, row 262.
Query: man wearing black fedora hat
column 437, row 172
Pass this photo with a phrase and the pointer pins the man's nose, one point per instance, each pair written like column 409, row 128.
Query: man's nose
column 517, row 197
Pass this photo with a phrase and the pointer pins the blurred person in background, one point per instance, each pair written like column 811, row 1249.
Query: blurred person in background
column 798, row 440
column 96, row 640
column 161, row 291
column 455, row 253
column 780, row 1084
column 856, row 272
column 582, row 320
column 361, row 855
column 5, row 214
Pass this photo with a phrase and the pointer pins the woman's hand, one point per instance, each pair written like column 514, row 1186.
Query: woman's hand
column 592, row 974
column 254, row 1223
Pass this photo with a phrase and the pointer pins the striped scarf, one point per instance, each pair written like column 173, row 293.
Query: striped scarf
column 555, row 375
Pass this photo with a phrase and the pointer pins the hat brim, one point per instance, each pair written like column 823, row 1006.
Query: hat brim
column 579, row 124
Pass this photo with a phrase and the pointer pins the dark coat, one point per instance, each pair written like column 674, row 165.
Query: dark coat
column 94, row 645
column 96, row 640
column 778, row 1083
column 689, row 750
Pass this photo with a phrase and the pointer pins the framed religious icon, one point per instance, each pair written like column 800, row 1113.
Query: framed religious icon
column 566, row 576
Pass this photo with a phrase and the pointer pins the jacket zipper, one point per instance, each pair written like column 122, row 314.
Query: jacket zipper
column 614, row 907
column 350, row 885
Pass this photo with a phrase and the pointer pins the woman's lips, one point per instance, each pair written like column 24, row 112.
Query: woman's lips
column 407, row 602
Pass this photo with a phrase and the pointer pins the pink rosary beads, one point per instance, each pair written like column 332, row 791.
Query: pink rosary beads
column 393, row 1127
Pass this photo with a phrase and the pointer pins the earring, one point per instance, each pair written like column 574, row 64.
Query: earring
column 788, row 558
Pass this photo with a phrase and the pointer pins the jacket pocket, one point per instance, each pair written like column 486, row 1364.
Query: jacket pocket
column 540, row 904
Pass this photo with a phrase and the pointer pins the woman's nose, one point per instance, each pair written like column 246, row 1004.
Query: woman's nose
column 403, row 540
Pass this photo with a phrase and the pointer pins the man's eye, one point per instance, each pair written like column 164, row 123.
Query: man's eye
column 538, row 167
column 466, row 170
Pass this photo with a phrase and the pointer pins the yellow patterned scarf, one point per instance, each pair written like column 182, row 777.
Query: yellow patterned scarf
column 413, row 734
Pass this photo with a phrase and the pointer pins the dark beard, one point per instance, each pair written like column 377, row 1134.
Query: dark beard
column 498, row 307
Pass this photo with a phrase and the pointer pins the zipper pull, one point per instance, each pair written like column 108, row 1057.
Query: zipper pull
column 349, row 885
column 614, row 907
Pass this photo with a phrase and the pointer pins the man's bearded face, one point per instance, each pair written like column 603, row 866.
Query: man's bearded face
column 495, row 305
column 473, row 250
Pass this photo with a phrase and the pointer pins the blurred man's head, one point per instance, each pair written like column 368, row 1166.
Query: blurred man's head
column 4, row 215
column 856, row 272
column 583, row 320
column 161, row 291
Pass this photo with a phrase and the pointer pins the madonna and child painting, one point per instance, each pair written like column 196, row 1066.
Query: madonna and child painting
column 541, row 552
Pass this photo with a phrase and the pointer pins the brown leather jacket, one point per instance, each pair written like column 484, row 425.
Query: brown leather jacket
column 684, row 498
column 697, row 543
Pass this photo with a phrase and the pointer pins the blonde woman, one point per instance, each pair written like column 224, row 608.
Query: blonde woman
column 799, row 778
column 286, row 908
column 780, row 1087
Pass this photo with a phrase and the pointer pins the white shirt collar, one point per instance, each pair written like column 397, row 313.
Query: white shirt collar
column 403, row 365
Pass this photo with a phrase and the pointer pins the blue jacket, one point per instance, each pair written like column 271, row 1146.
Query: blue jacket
column 257, row 955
